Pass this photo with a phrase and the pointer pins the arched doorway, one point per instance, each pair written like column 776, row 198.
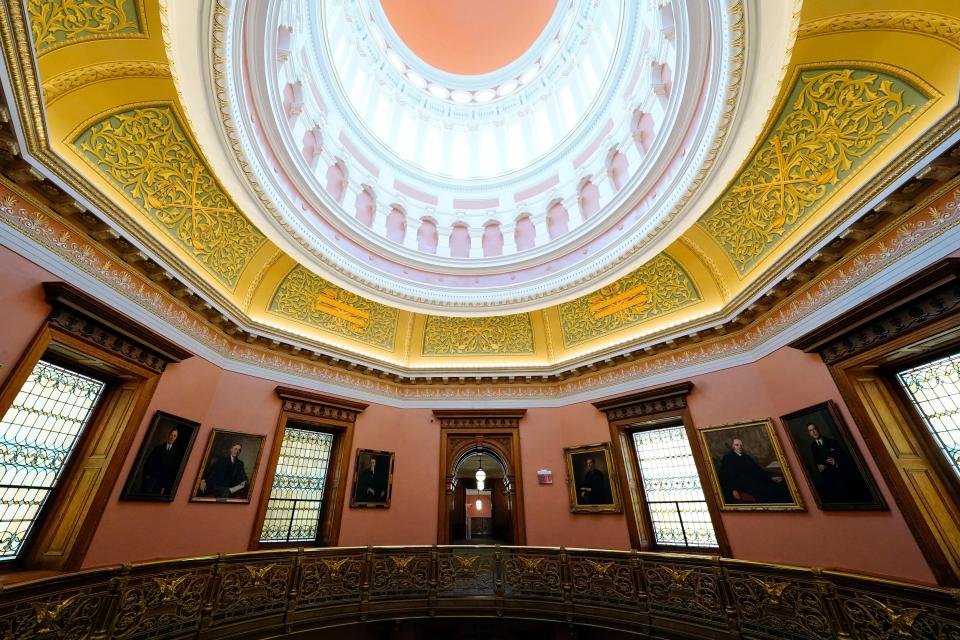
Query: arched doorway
column 469, row 440
column 483, row 508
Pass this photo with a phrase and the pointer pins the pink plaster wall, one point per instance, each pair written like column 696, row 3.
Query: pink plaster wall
column 24, row 309
column 868, row 541
column 787, row 380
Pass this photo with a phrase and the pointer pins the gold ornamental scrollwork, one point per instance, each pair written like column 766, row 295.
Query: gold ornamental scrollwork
column 62, row 84
column 936, row 25
column 792, row 609
column 147, row 155
column 492, row 335
column 835, row 120
column 308, row 298
column 159, row 602
column 325, row 580
column 658, row 287
column 55, row 23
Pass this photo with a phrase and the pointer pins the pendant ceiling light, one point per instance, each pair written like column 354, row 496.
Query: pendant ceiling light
column 481, row 474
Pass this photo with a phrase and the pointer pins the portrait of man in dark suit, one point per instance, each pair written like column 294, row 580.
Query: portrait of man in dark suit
column 591, row 479
column 229, row 467
column 830, row 460
column 225, row 476
column 162, row 465
column 159, row 464
column 372, row 479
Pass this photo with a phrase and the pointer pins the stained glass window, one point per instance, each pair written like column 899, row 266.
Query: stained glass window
column 296, row 498
column 675, row 500
column 37, row 435
column 935, row 391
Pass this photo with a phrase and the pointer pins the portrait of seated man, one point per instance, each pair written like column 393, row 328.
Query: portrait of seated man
column 749, row 470
column 743, row 480
column 229, row 467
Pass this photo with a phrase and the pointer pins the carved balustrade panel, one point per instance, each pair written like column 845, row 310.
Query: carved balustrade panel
column 269, row 594
column 603, row 579
column 781, row 606
column 466, row 572
column 396, row 573
column 252, row 587
column 684, row 590
column 884, row 612
column 329, row 579
column 532, row 574
column 69, row 611
column 161, row 603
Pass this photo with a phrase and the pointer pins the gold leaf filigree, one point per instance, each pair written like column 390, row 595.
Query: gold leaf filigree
column 939, row 26
column 145, row 152
column 308, row 298
column 494, row 335
column 836, row 119
column 657, row 287
column 59, row 22
column 62, row 84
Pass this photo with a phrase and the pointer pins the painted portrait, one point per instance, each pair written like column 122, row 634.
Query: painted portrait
column 831, row 462
column 748, row 470
column 592, row 479
column 158, row 467
column 372, row 479
column 229, row 467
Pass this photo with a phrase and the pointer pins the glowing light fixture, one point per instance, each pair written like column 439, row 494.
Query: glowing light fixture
column 481, row 474
column 478, row 504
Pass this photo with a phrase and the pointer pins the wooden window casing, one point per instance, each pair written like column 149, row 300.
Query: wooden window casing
column 316, row 412
column 914, row 322
column 86, row 336
column 656, row 408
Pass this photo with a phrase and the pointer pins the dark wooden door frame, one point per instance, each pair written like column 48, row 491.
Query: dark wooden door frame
column 465, row 429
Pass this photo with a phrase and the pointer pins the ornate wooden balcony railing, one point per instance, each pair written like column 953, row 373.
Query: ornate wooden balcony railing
column 253, row 595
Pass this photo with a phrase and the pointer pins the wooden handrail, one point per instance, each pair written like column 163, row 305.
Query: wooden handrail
column 260, row 594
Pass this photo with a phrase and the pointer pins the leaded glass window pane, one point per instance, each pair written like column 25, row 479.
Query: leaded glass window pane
column 296, row 498
column 675, row 500
column 935, row 391
column 37, row 435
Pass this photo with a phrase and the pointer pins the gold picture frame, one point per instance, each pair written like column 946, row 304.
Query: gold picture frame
column 592, row 479
column 748, row 470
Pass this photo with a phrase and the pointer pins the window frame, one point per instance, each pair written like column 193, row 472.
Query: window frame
column 88, row 337
column 912, row 322
column 646, row 411
column 326, row 414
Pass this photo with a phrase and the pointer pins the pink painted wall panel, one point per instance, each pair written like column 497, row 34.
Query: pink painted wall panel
column 871, row 542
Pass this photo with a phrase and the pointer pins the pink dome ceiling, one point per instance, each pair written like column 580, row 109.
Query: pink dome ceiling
column 468, row 37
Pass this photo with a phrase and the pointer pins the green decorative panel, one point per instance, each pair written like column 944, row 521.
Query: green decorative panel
column 308, row 298
column 494, row 335
column 658, row 287
column 832, row 124
column 146, row 154
column 54, row 23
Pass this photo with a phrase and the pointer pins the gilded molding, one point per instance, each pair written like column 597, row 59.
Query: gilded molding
column 837, row 119
column 929, row 220
column 145, row 153
column 491, row 335
column 658, row 287
column 62, row 84
column 56, row 23
column 308, row 298
column 946, row 28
